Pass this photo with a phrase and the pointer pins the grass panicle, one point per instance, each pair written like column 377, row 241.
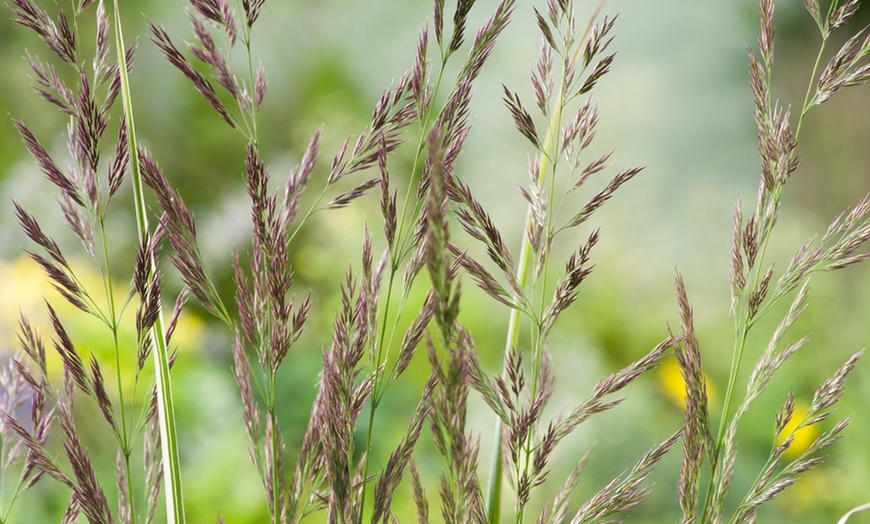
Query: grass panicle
column 87, row 95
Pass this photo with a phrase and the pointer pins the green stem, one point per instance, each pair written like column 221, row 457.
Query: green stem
column 424, row 134
column 808, row 97
column 129, row 486
column 373, row 404
column 742, row 327
column 4, row 517
column 741, row 331
column 255, row 135
column 110, row 300
column 770, row 461
column 165, row 402
column 276, row 450
column 396, row 256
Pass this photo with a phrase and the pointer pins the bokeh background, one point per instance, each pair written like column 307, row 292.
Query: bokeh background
column 677, row 102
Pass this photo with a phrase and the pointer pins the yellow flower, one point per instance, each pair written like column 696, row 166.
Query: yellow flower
column 25, row 291
column 674, row 387
column 803, row 437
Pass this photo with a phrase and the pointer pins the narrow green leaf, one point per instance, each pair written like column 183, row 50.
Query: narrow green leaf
column 166, row 409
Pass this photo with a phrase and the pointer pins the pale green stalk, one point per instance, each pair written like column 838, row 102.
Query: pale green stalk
column 124, row 439
column 7, row 511
column 864, row 507
column 165, row 403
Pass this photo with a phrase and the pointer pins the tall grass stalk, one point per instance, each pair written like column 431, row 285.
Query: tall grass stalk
column 173, row 493
column 755, row 293
column 513, row 331
column 85, row 198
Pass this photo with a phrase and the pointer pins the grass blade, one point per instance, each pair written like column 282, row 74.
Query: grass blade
column 864, row 507
column 166, row 409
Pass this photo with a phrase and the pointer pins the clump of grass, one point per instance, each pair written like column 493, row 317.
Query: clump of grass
column 417, row 237
column 426, row 112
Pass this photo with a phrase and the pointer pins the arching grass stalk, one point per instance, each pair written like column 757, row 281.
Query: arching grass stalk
column 755, row 292
column 165, row 404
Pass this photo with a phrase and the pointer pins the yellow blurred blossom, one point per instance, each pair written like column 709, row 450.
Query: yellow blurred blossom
column 803, row 437
column 25, row 290
column 674, row 387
